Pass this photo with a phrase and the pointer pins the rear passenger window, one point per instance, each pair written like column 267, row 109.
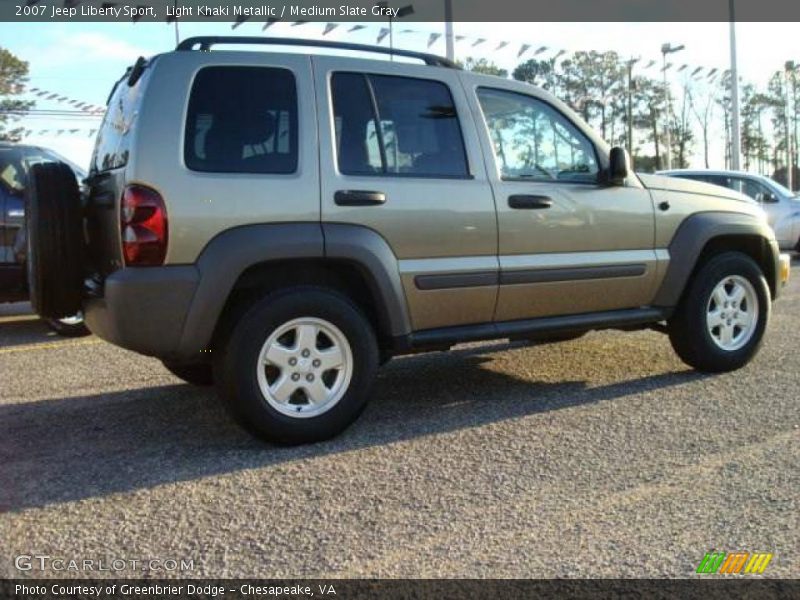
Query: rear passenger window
column 389, row 125
column 242, row 120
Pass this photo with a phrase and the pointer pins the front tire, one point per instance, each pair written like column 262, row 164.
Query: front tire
column 720, row 322
column 298, row 365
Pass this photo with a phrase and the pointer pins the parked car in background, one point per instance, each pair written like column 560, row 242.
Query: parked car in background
column 15, row 163
column 781, row 205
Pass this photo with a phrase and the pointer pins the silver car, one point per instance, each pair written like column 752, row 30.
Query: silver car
column 781, row 205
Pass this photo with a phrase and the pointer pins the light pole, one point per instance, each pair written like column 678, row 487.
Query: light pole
column 790, row 151
column 668, row 49
column 448, row 30
column 629, row 111
column 736, row 137
column 403, row 12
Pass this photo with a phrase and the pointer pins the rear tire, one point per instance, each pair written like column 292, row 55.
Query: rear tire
column 199, row 374
column 54, row 241
column 719, row 324
column 69, row 327
column 298, row 365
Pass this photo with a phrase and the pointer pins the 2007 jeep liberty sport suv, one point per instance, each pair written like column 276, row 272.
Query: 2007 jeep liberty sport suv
column 279, row 224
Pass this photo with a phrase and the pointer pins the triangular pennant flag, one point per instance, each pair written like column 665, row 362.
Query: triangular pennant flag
column 650, row 64
column 523, row 49
column 697, row 70
column 432, row 38
column 478, row 42
column 682, row 68
column 460, row 37
column 329, row 27
column 298, row 23
column 137, row 14
column 384, row 32
column 356, row 28
column 501, row 45
column 539, row 50
column 559, row 53
column 239, row 20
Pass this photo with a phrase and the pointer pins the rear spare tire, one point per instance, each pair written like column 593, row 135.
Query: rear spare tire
column 54, row 240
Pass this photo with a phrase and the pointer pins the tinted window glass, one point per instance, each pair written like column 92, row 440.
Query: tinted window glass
column 534, row 141
column 410, row 129
column 242, row 120
column 357, row 146
column 112, row 144
column 756, row 190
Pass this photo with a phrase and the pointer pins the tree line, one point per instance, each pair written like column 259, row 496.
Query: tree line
column 631, row 109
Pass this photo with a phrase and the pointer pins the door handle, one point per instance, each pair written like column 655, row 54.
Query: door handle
column 527, row 201
column 358, row 198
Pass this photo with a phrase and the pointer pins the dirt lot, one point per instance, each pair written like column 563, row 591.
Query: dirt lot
column 604, row 456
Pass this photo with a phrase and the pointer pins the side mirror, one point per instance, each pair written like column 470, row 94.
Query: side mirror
column 618, row 166
column 766, row 198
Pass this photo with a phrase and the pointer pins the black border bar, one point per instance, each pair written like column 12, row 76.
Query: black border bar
column 362, row 11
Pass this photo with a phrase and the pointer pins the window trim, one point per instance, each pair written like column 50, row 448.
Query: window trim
column 297, row 128
column 560, row 113
column 379, row 130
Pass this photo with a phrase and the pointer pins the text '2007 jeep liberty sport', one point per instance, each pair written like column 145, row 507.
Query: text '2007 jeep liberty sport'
column 280, row 223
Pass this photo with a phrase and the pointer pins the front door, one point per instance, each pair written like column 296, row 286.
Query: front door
column 567, row 243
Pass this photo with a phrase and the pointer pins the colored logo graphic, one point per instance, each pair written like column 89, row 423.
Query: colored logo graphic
column 734, row 563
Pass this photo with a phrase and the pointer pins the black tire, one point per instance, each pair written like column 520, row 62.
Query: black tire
column 200, row 374
column 688, row 330
column 235, row 364
column 68, row 329
column 54, row 240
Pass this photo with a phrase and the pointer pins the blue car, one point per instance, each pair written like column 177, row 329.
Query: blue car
column 15, row 162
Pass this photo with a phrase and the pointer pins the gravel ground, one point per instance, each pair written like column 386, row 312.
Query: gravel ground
column 602, row 457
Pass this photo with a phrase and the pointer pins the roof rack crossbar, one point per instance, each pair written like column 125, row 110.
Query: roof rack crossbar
column 205, row 42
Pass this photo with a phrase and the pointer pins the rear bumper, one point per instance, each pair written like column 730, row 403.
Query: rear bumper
column 144, row 309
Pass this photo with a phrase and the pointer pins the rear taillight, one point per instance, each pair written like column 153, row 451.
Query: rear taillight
column 143, row 223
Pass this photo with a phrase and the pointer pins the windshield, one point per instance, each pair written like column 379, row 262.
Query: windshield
column 783, row 190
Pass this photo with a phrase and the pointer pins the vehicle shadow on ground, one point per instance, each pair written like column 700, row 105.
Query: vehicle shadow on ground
column 76, row 448
column 24, row 331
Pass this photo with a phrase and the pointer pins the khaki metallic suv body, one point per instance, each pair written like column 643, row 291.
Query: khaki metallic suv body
column 292, row 219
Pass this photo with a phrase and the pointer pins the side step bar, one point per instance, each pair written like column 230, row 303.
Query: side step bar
column 613, row 319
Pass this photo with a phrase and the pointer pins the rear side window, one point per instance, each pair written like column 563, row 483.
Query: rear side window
column 112, row 145
column 242, row 120
column 388, row 125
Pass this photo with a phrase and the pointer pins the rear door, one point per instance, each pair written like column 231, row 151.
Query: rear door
column 404, row 134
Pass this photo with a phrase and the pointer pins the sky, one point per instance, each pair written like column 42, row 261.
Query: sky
column 81, row 61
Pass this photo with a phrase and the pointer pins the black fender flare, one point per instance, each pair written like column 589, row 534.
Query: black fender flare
column 692, row 236
column 232, row 252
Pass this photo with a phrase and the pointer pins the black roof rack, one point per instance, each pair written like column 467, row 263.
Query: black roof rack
column 205, row 43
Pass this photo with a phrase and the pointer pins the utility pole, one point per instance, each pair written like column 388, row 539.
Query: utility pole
column 448, row 30
column 629, row 115
column 668, row 49
column 736, row 136
column 177, row 34
column 789, row 72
